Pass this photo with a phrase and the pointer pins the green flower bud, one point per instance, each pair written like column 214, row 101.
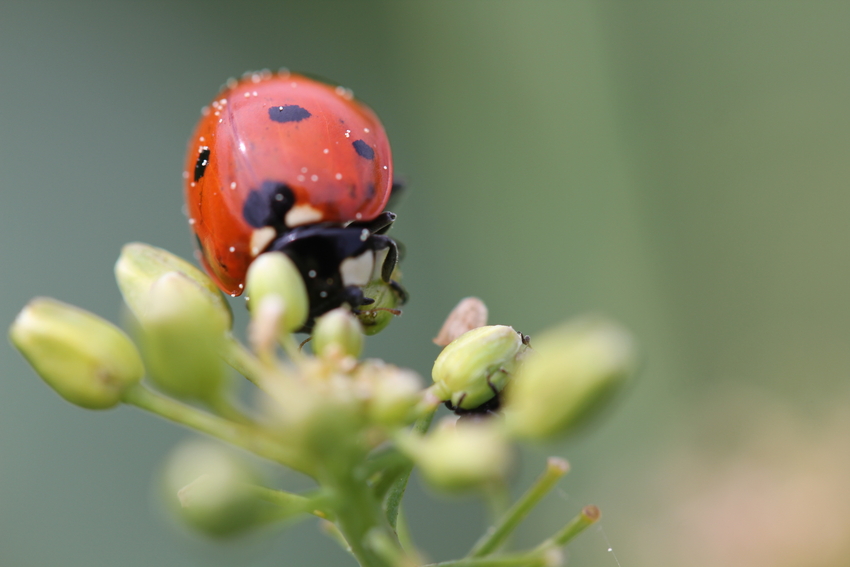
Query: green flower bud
column 274, row 273
column 394, row 394
column 574, row 370
column 338, row 333
column 376, row 316
column 87, row 360
column 211, row 490
column 460, row 456
column 183, row 335
column 476, row 365
column 140, row 265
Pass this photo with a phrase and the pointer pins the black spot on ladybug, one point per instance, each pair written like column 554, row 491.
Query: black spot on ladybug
column 201, row 164
column 268, row 205
column 289, row 113
column 363, row 149
column 370, row 191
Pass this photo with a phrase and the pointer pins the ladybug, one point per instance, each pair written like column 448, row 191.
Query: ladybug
column 283, row 162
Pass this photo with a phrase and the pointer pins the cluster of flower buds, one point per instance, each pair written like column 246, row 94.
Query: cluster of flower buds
column 356, row 426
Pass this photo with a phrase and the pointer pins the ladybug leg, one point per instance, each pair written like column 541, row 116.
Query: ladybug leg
column 403, row 296
column 378, row 225
column 391, row 261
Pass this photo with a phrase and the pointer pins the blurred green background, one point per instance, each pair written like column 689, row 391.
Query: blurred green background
column 680, row 166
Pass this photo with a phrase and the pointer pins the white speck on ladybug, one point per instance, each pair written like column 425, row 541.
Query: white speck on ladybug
column 300, row 178
column 338, row 176
column 347, row 133
column 278, row 197
column 366, row 130
column 359, row 216
column 303, row 170
column 191, row 221
column 364, row 234
column 241, row 286
column 233, row 185
column 314, row 177
column 312, row 273
column 323, row 294
column 326, row 151
column 233, row 249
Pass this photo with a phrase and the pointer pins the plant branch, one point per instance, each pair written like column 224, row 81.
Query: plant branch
column 495, row 536
column 247, row 437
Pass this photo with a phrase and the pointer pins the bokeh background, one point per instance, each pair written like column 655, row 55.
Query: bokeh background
column 680, row 166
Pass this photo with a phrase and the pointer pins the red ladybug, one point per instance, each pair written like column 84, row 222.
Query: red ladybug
column 284, row 162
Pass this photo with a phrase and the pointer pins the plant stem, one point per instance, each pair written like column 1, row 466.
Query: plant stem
column 359, row 513
column 238, row 357
column 523, row 560
column 495, row 536
column 588, row 516
column 295, row 503
column 397, row 491
column 247, row 437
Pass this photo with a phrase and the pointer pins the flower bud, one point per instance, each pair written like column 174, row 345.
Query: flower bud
column 211, row 490
column 376, row 316
column 460, row 457
column 274, row 273
column 338, row 333
column 87, row 360
column 476, row 365
column 183, row 335
column 575, row 369
column 393, row 393
column 470, row 313
column 140, row 265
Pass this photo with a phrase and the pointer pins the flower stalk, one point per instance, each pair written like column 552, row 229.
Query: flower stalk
column 357, row 427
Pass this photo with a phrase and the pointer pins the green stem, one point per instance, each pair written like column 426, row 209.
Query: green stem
column 314, row 504
column 237, row 356
column 247, row 437
column 358, row 513
column 588, row 516
column 489, row 542
column 397, row 491
column 523, row 560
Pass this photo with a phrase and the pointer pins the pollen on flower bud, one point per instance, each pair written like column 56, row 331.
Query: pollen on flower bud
column 274, row 273
column 460, row 456
column 574, row 370
column 140, row 265
column 182, row 336
column 210, row 490
column 338, row 333
column 87, row 360
column 475, row 367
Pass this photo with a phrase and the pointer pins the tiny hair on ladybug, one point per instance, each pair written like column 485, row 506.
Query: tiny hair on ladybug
column 284, row 162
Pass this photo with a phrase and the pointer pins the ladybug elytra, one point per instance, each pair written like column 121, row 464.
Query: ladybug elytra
column 282, row 162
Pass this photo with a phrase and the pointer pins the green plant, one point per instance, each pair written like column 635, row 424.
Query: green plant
column 357, row 427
